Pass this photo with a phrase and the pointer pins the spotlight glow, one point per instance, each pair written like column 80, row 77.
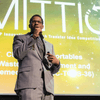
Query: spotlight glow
column 72, row 73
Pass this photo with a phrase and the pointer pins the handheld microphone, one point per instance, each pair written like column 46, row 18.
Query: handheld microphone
column 41, row 35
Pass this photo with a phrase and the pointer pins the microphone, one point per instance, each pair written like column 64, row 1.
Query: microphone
column 41, row 35
column 49, row 55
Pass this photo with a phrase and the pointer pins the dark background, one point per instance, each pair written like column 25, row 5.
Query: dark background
column 14, row 97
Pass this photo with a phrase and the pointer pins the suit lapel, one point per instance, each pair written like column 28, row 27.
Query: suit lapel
column 48, row 47
column 36, row 48
column 45, row 49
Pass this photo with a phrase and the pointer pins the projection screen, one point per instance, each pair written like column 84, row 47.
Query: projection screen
column 72, row 26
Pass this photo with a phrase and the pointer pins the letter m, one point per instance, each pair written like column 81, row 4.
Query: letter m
column 14, row 2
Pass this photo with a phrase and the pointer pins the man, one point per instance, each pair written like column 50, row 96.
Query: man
column 37, row 63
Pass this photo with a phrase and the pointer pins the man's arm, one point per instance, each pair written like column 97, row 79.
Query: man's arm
column 21, row 47
column 55, row 62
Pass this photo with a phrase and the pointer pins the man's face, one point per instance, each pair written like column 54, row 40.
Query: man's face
column 36, row 23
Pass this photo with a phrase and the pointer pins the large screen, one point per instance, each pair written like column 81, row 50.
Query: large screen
column 72, row 26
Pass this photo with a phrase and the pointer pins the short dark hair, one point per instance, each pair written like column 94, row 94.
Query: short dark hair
column 34, row 16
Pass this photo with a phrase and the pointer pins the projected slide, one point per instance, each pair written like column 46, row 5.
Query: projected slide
column 72, row 26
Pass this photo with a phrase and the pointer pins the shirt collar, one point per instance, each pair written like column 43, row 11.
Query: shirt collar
column 37, row 37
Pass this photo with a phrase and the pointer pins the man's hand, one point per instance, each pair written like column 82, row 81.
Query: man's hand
column 36, row 32
column 52, row 59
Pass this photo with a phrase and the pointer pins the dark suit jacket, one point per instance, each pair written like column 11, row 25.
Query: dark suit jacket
column 30, row 63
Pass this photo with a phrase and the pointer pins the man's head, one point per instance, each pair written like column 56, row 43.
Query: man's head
column 36, row 21
column 37, row 16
